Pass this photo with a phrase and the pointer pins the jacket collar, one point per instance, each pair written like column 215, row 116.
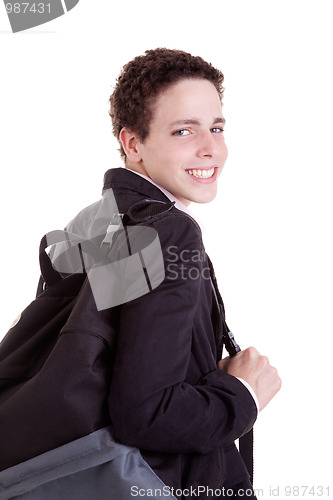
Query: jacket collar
column 125, row 178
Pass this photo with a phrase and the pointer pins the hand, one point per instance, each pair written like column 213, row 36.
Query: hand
column 256, row 371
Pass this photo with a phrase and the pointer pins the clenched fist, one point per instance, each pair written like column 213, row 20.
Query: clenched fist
column 256, row 371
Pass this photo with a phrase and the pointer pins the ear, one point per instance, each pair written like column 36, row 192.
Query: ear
column 130, row 143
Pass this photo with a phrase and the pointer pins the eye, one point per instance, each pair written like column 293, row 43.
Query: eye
column 217, row 130
column 181, row 132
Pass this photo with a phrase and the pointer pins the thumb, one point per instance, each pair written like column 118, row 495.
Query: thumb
column 223, row 363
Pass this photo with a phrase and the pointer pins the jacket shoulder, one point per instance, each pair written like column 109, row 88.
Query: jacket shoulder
column 177, row 225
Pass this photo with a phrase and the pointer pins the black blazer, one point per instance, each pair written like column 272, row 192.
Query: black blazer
column 167, row 396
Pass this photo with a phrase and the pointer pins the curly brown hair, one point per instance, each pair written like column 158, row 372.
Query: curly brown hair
column 142, row 80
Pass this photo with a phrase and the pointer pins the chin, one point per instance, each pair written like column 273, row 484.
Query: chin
column 204, row 197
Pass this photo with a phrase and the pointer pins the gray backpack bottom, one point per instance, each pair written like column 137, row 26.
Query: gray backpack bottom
column 94, row 467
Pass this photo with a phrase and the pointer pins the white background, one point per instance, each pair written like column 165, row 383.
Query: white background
column 269, row 232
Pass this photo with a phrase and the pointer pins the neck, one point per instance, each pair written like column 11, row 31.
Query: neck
column 139, row 170
column 136, row 167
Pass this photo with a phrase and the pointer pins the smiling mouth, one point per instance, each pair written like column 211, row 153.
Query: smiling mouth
column 202, row 174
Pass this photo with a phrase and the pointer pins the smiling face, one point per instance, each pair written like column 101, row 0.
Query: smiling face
column 185, row 150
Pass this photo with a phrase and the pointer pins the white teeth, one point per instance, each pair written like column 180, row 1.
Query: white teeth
column 202, row 174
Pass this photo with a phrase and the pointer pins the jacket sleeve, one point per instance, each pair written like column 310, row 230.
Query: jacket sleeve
column 151, row 405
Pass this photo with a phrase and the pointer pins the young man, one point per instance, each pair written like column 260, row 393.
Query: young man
column 171, row 395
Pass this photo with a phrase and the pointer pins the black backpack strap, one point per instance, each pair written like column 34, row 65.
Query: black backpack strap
column 228, row 339
column 144, row 210
column 50, row 275
column 246, row 451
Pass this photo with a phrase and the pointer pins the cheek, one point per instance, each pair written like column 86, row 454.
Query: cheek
column 224, row 150
column 164, row 157
column 169, row 159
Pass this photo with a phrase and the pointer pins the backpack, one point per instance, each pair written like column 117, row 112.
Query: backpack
column 55, row 369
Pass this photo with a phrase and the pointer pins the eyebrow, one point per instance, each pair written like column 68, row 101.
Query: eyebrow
column 195, row 121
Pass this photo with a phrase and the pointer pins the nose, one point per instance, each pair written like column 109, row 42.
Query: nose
column 207, row 146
